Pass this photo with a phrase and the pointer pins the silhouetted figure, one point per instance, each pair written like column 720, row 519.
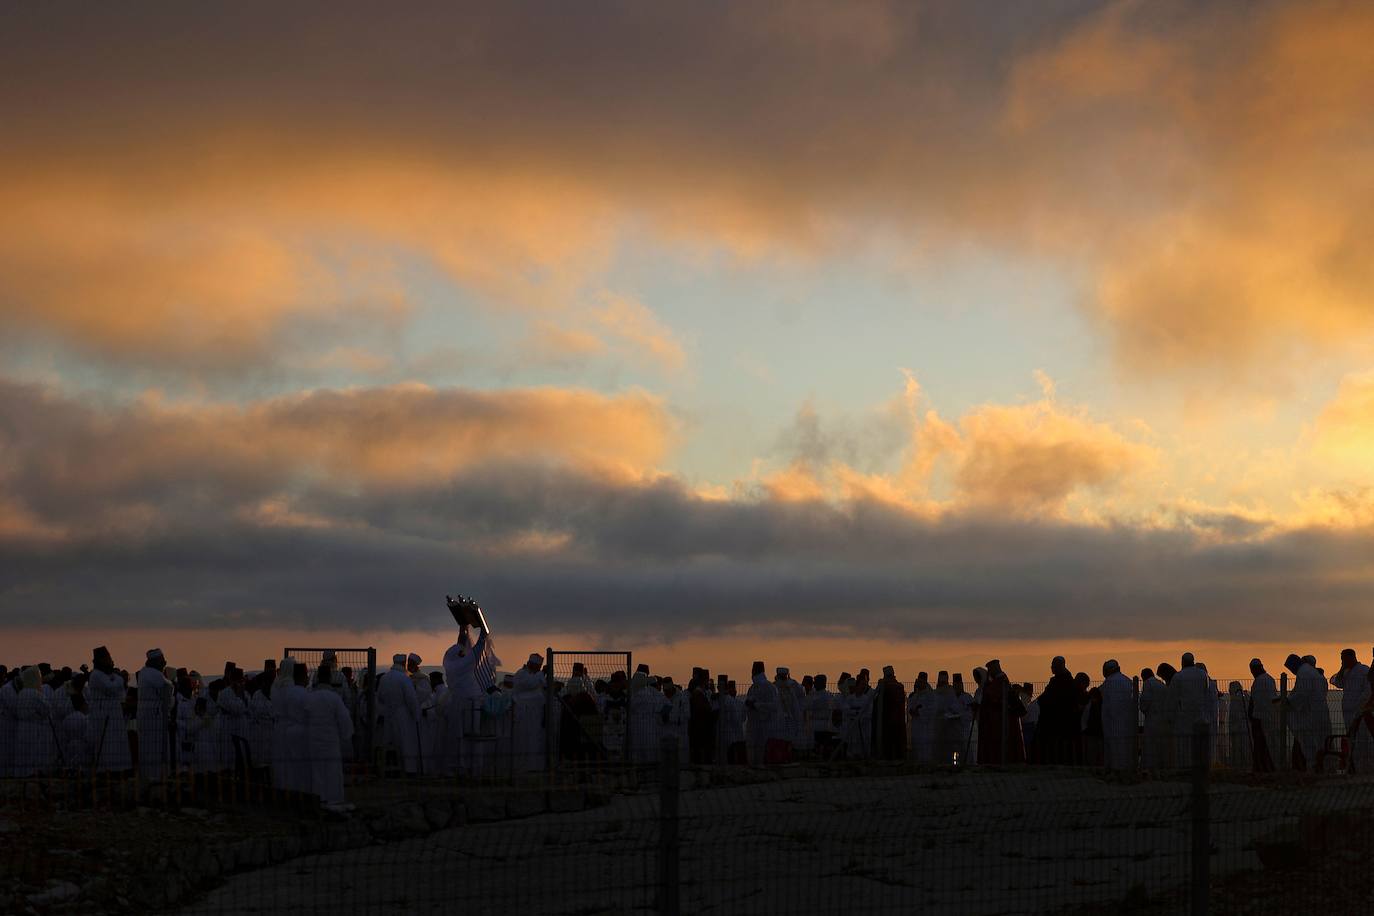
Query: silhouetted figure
column 1058, row 728
column 999, row 726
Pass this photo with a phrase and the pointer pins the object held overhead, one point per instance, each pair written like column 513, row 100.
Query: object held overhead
column 467, row 612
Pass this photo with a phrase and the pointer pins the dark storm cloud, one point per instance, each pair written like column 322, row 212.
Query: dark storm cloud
column 562, row 543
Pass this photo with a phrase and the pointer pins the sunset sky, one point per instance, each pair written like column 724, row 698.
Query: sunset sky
column 918, row 332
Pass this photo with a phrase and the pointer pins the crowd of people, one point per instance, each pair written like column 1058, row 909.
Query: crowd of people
column 296, row 729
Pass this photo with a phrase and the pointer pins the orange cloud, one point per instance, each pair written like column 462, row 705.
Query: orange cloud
column 1220, row 218
column 117, row 465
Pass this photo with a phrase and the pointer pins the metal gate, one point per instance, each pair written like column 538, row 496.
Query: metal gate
column 364, row 665
column 600, row 665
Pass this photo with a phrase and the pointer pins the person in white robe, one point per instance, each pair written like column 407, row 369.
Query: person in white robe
column 1264, row 719
column 1119, row 716
column 288, row 726
column 856, row 706
column 464, row 665
column 400, row 711
column 153, row 712
column 921, row 711
column 1238, row 726
column 75, row 732
column 822, row 709
column 33, row 734
column 975, row 702
column 10, row 685
column 732, row 719
column 531, row 700
column 428, row 719
column 646, row 704
column 59, row 707
column 206, row 734
column 1306, row 710
column 105, row 689
column 763, row 711
column 328, row 729
column 790, row 721
column 806, row 736
column 1152, row 701
column 233, row 721
column 260, row 722
column 1353, row 683
column 1191, row 706
column 961, row 702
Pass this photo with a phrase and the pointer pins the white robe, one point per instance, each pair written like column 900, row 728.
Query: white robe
column 821, row 705
column 764, row 710
column 858, row 717
column 105, row 700
column 260, row 729
column 33, row 734
column 401, row 716
column 1354, row 687
column 732, row 714
column 646, row 708
column 1188, row 696
column 1309, row 721
column 154, row 707
column 328, row 728
column 289, row 771
column 9, row 697
column 1118, row 722
column 1238, row 730
column 233, row 727
column 1154, row 700
column 529, row 735
column 76, row 740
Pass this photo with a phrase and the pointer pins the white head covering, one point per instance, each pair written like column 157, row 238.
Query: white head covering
column 783, row 671
column 535, row 658
column 154, row 653
column 286, row 672
column 399, row 659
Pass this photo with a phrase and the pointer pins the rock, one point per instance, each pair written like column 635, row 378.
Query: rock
column 284, row 847
column 254, row 853
column 438, row 814
column 1281, row 849
column 524, row 804
column 565, row 800
column 483, row 807
column 57, row 892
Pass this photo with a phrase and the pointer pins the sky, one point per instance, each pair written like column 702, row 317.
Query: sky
column 912, row 332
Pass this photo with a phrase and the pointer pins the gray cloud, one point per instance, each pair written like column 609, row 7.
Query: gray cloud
column 556, row 544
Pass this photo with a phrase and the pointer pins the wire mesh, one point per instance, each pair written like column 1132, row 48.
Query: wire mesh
column 214, row 829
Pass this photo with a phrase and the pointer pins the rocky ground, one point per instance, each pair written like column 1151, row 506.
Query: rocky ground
column 798, row 840
column 978, row 842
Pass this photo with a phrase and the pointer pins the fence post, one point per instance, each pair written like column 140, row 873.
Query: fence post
column 370, row 730
column 1285, row 757
column 625, row 758
column 669, row 901
column 1135, row 723
column 1006, row 732
column 1202, row 840
column 549, row 749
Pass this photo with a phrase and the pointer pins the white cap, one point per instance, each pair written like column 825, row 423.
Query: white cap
column 154, row 653
column 399, row 658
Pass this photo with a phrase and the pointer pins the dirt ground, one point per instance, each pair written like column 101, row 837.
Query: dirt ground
column 976, row 841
